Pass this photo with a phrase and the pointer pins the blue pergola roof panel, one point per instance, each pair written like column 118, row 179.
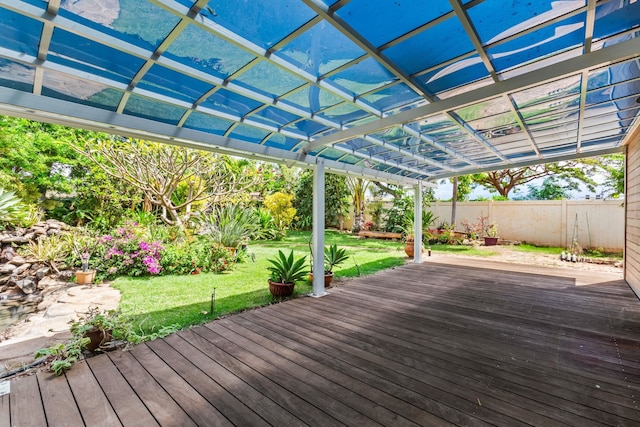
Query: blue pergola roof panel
column 395, row 91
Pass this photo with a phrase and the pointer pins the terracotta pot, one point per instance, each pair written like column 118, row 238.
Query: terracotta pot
column 98, row 338
column 85, row 277
column 409, row 249
column 281, row 289
column 328, row 279
column 490, row 241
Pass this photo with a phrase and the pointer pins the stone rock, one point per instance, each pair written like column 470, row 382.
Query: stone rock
column 65, row 275
column 53, row 231
column 7, row 268
column 39, row 231
column 41, row 272
column 47, row 281
column 21, row 269
column 7, row 253
column 59, row 310
column 11, row 293
column 46, row 303
column 17, row 260
column 52, row 223
column 15, row 239
column 29, row 236
column 27, row 285
column 4, row 280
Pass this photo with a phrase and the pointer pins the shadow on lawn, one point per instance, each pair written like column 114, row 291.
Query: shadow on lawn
column 200, row 312
column 370, row 267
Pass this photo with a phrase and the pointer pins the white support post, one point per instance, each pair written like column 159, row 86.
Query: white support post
column 318, row 229
column 417, row 224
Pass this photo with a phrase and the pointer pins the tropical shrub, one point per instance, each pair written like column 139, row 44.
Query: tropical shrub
column 125, row 252
column 280, row 205
column 50, row 250
column 267, row 228
column 337, row 198
column 230, row 225
column 12, row 210
column 193, row 257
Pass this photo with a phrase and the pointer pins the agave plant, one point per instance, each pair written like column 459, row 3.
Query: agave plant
column 230, row 225
column 12, row 210
column 287, row 269
column 334, row 256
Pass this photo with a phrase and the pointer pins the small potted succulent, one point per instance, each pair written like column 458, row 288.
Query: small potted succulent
column 83, row 247
column 285, row 272
column 333, row 256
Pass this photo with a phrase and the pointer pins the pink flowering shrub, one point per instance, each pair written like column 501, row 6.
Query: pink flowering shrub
column 125, row 253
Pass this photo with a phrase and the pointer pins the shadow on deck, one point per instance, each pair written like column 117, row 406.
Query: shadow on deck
column 446, row 342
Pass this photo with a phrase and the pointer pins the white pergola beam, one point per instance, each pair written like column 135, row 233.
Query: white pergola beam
column 27, row 105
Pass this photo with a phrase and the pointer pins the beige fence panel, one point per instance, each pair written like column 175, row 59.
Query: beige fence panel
column 593, row 223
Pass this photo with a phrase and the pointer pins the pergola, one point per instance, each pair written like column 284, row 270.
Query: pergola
column 407, row 92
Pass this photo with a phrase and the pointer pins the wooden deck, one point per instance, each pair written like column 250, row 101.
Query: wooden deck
column 449, row 342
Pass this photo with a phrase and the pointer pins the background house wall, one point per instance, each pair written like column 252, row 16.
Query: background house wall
column 632, row 207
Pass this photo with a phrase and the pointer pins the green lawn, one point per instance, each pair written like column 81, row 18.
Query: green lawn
column 186, row 300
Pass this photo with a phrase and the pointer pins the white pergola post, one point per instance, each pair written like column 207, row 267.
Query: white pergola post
column 417, row 223
column 318, row 229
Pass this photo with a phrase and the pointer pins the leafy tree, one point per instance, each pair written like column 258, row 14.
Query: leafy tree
column 464, row 188
column 613, row 167
column 35, row 158
column 505, row 180
column 280, row 206
column 337, row 196
column 551, row 189
column 276, row 177
column 358, row 187
column 172, row 178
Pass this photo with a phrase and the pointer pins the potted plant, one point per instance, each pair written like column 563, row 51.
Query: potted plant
column 491, row 235
column 285, row 272
column 333, row 257
column 95, row 331
column 408, row 231
column 83, row 247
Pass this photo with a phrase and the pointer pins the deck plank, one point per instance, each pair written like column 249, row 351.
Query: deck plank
column 5, row 411
column 163, row 408
column 196, row 407
column 230, row 407
column 355, row 406
column 129, row 408
column 59, row 403
column 26, row 403
column 278, row 386
column 91, row 400
column 199, row 352
column 464, row 342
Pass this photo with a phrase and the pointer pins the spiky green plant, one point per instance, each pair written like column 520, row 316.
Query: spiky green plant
column 334, row 256
column 287, row 269
column 12, row 210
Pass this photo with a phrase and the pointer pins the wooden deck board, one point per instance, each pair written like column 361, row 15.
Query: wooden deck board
column 5, row 412
column 232, row 408
column 161, row 405
column 93, row 404
column 129, row 408
column 59, row 404
column 448, row 342
column 26, row 403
